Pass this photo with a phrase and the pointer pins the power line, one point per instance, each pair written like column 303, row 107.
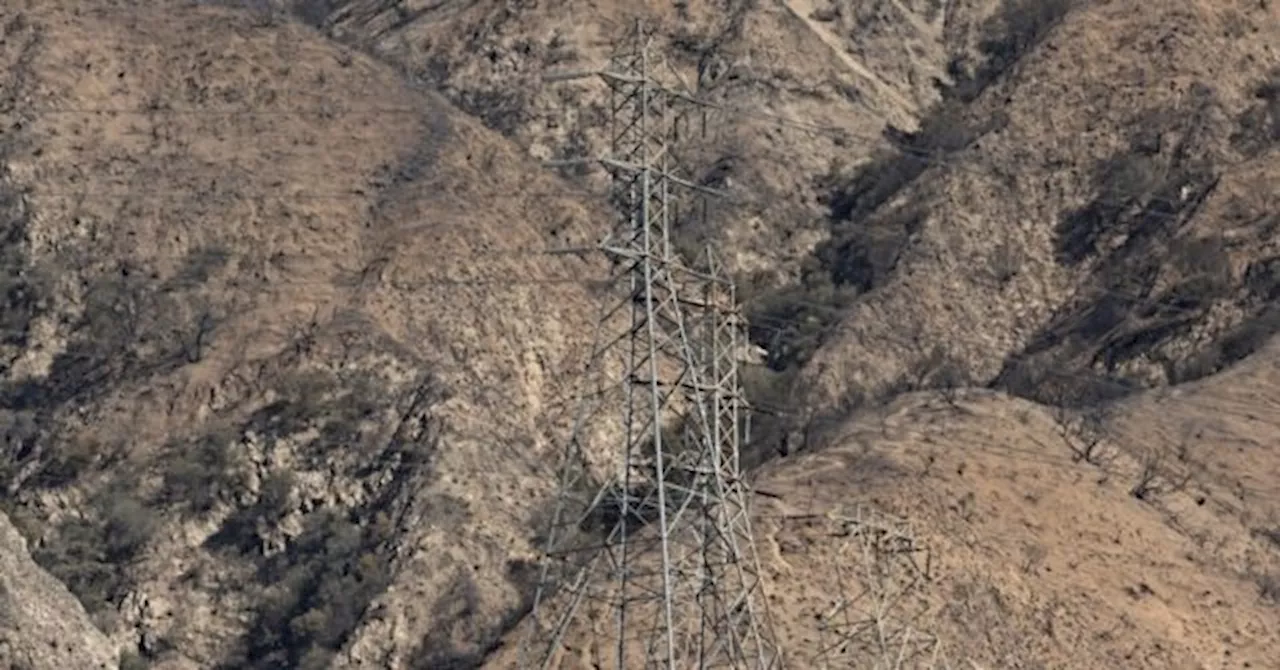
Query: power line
column 369, row 194
column 1058, row 459
column 1045, row 456
column 931, row 158
column 251, row 111
column 767, row 324
column 372, row 193
column 674, row 544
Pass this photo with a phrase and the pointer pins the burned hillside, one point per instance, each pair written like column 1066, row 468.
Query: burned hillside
column 284, row 361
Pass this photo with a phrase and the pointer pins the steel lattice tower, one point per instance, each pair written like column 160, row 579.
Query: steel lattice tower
column 650, row 556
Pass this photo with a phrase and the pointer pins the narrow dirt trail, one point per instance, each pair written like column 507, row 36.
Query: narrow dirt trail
column 897, row 104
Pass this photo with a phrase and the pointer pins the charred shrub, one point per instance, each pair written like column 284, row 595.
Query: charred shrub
column 1122, row 182
column 302, row 401
column 869, row 230
column 338, row 408
column 1271, row 535
column 23, row 289
column 1146, row 190
column 1259, row 125
column 203, row 473
column 20, row 291
column 868, row 235
column 102, row 346
column 875, row 184
column 317, row 591
column 132, row 660
column 1262, row 278
column 314, row 13
column 133, row 326
column 864, row 256
column 1145, row 195
column 577, row 147
column 944, row 130
column 463, row 641
column 1017, row 28
column 1269, row 587
column 443, row 647
column 1043, row 381
column 502, row 110
column 92, row 554
column 314, row 593
column 790, row 322
column 1009, row 35
column 770, row 392
column 241, row 532
column 1238, row 343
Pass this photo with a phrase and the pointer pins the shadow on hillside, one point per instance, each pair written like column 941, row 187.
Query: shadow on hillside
column 870, row 227
column 317, row 586
column 1151, row 281
column 132, row 329
column 464, row 644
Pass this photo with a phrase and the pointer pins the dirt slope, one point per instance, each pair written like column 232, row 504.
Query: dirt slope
column 273, row 316
column 1123, row 231
column 282, row 364
column 962, row 531
column 796, row 93
column 1026, row 557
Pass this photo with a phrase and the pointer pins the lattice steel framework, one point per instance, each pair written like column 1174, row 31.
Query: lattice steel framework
column 650, row 558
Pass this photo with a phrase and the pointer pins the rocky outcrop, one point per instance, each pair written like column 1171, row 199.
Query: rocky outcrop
column 43, row 626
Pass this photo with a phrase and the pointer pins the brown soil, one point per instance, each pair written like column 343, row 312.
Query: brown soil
column 284, row 363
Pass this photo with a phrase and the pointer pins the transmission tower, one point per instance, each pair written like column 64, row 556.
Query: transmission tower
column 649, row 557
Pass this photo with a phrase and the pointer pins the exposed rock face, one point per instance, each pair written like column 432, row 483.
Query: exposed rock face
column 43, row 626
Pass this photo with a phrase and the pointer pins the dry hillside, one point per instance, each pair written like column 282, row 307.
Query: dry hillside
column 795, row 94
column 283, row 360
column 1126, row 232
column 272, row 313
column 965, row 531
column 1162, row 555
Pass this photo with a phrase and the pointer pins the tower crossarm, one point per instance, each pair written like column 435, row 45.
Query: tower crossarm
column 649, row 558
